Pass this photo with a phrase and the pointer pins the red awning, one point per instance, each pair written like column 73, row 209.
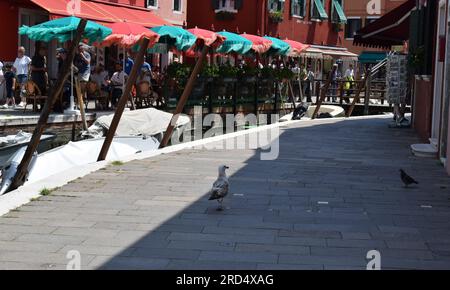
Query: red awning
column 102, row 12
column 391, row 29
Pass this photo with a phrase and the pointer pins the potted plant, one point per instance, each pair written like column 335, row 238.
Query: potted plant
column 276, row 16
column 267, row 74
column 248, row 74
column 228, row 73
column 210, row 72
column 284, row 74
column 179, row 73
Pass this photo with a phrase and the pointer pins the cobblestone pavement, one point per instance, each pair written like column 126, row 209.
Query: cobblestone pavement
column 333, row 194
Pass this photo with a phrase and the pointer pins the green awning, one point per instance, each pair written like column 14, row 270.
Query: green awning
column 321, row 9
column 340, row 12
column 371, row 57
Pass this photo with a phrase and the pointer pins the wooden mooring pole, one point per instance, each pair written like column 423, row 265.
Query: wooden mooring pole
column 22, row 169
column 323, row 93
column 184, row 97
column 367, row 95
column 123, row 99
column 81, row 103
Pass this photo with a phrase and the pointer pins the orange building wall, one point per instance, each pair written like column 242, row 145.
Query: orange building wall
column 253, row 18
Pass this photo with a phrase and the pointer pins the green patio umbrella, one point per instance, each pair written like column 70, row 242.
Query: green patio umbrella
column 175, row 36
column 279, row 47
column 62, row 29
column 234, row 43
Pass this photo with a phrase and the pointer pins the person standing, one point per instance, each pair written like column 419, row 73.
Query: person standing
column 129, row 62
column 334, row 78
column 145, row 73
column 39, row 70
column 21, row 68
column 10, row 84
column 349, row 77
column 2, row 80
column 309, row 84
column 82, row 62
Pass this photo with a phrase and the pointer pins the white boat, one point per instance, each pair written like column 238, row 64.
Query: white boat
column 329, row 110
column 10, row 144
column 147, row 122
column 85, row 152
column 74, row 154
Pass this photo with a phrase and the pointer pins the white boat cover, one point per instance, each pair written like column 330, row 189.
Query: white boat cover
column 147, row 122
column 14, row 139
column 85, row 152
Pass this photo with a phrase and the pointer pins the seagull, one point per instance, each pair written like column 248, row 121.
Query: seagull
column 407, row 180
column 220, row 187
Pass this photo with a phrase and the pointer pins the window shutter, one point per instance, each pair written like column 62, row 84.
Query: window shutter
column 238, row 4
column 215, row 4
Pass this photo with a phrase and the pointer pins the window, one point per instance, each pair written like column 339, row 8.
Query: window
column 226, row 4
column 276, row 5
column 353, row 25
column 337, row 12
column 318, row 10
column 152, row 3
column 298, row 8
column 177, row 5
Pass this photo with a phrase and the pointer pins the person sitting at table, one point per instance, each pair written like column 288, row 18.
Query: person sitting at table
column 117, row 82
column 100, row 76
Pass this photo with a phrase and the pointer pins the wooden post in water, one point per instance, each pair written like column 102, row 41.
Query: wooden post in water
column 323, row 93
column 361, row 86
column 22, row 169
column 367, row 95
column 123, row 100
column 81, row 103
column 182, row 102
column 291, row 93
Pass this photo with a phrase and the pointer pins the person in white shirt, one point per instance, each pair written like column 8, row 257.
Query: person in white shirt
column 117, row 82
column 21, row 68
column 2, row 79
column 349, row 76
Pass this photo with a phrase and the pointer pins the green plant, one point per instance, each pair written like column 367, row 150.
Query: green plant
column 117, row 163
column 178, row 70
column 249, row 71
column 284, row 74
column 267, row 72
column 46, row 191
column 211, row 71
column 276, row 16
column 228, row 71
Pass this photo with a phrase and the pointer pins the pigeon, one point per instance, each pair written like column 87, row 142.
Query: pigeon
column 220, row 187
column 407, row 180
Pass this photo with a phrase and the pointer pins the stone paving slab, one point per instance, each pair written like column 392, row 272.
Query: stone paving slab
column 332, row 195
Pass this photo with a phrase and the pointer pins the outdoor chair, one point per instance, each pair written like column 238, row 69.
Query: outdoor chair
column 32, row 95
column 144, row 94
column 100, row 97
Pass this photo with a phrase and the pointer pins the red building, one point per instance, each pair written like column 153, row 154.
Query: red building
column 308, row 21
